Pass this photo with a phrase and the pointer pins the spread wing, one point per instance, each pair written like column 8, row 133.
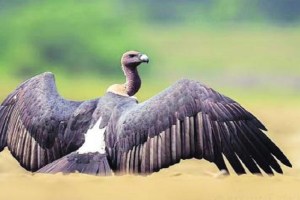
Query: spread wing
column 191, row 120
column 34, row 118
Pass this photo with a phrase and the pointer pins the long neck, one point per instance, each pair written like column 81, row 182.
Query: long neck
column 133, row 81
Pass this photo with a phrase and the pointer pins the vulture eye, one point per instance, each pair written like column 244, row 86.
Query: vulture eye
column 131, row 55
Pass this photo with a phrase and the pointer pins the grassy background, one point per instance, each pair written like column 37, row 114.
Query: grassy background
column 246, row 53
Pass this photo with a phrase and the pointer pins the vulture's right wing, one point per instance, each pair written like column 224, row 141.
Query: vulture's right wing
column 192, row 120
column 34, row 119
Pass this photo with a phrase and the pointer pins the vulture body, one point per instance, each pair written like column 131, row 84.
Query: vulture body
column 116, row 134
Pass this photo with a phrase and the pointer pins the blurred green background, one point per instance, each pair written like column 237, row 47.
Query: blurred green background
column 243, row 48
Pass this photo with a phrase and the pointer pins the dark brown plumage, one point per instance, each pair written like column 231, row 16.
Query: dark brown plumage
column 187, row 120
column 193, row 121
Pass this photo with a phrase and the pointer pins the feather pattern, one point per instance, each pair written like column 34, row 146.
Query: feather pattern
column 191, row 120
column 38, row 126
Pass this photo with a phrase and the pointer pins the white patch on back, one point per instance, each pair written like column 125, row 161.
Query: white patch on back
column 94, row 140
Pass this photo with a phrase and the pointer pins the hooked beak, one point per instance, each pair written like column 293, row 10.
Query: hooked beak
column 144, row 58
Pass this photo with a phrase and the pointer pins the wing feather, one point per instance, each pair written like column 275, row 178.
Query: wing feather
column 33, row 120
column 255, row 151
column 168, row 147
column 189, row 120
column 242, row 150
column 218, row 157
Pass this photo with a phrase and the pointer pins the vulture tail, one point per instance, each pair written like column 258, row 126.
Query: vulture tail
column 87, row 163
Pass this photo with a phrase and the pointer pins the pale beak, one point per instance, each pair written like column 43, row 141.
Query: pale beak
column 144, row 58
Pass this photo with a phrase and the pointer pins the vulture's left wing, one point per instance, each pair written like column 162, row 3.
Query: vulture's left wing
column 191, row 120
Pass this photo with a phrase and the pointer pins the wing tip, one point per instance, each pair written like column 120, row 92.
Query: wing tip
column 287, row 163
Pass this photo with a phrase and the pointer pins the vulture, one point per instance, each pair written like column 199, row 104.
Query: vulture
column 115, row 134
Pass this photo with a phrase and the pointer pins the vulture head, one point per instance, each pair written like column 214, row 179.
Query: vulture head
column 133, row 58
column 130, row 60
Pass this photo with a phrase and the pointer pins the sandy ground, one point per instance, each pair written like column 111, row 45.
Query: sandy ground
column 191, row 179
